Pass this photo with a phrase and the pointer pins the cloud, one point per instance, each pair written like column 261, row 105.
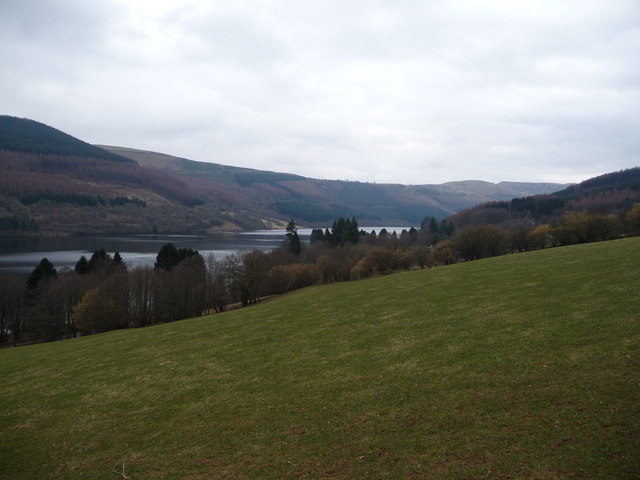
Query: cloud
column 411, row 92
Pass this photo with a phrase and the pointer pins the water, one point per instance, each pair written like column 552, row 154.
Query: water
column 21, row 254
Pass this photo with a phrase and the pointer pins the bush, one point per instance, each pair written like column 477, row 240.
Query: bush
column 479, row 241
column 442, row 254
column 283, row 278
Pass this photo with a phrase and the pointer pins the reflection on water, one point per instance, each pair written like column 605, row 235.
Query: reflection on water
column 22, row 254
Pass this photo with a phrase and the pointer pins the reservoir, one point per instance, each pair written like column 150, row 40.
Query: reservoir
column 20, row 255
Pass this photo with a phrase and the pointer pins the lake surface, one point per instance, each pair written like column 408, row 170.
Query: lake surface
column 21, row 254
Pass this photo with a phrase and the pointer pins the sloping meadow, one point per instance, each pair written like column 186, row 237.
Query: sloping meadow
column 521, row 366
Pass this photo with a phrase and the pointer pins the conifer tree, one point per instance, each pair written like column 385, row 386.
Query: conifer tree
column 293, row 240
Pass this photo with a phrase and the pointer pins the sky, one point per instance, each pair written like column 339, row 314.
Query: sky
column 385, row 91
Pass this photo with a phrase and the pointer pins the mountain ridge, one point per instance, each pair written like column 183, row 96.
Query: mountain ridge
column 400, row 203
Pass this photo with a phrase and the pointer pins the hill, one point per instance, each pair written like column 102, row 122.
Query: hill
column 25, row 135
column 611, row 193
column 521, row 366
column 56, row 184
column 315, row 202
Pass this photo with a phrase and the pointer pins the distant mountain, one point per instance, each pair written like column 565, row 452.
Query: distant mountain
column 611, row 193
column 54, row 183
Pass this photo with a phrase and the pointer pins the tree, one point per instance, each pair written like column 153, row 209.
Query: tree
column 378, row 260
column 352, row 231
column 105, row 307
column 11, row 308
column 293, row 240
column 82, row 266
column 317, row 235
column 517, row 238
column 217, row 293
column 255, row 266
column 169, row 256
column 117, row 259
column 141, row 281
column 188, row 281
column 540, row 237
column 582, row 227
column 633, row 218
column 445, row 228
column 343, row 231
column 433, row 226
column 479, row 241
column 98, row 260
column 443, row 253
column 420, row 255
column 336, row 264
column 43, row 271
column 68, row 290
column 283, row 278
column 93, row 313
column 47, row 319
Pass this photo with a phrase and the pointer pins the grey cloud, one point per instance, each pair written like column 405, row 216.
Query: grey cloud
column 413, row 92
column 67, row 24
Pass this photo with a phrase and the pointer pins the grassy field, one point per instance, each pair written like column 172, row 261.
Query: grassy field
column 522, row 366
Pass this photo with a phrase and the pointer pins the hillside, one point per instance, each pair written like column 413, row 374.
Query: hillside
column 25, row 135
column 521, row 366
column 53, row 183
column 56, row 184
column 612, row 193
column 315, row 202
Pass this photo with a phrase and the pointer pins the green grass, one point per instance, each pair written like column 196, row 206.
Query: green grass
column 522, row 366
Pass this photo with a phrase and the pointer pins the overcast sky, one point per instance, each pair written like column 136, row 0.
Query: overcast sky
column 386, row 91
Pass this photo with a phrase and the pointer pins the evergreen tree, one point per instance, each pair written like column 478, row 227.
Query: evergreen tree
column 293, row 240
column 445, row 228
column 98, row 259
column 82, row 266
column 317, row 235
column 433, row 226
column 413, row 236
column 169, row 256
column 344, row 230
column 353, row 232
column 336, row 232
column 117, row 259
column 44, row 270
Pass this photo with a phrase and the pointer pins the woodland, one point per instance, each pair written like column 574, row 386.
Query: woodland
column 101, row 293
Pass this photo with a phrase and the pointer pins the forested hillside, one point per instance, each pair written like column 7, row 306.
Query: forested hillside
column 24, row 135
column 609, row 194
column 53, row 183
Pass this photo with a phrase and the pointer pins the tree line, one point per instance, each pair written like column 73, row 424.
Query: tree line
column 101, row 293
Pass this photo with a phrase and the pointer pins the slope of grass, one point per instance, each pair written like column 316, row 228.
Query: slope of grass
column 523, row 366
